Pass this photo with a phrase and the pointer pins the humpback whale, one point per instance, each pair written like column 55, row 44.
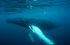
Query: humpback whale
column 36, row 26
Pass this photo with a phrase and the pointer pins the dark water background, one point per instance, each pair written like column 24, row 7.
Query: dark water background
column 59, row 13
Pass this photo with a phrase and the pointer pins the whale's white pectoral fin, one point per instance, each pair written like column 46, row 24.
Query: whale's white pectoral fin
column 31, row 37
column 40, row 34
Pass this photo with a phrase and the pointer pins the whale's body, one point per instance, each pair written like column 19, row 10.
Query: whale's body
column 36, row 27
column 43, row 24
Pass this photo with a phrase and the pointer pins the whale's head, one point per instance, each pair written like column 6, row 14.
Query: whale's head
column 18, row 21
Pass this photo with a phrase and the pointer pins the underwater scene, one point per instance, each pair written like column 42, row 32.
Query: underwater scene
column 34, row 22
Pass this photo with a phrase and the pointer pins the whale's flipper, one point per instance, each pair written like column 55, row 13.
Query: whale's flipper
column 36, row 30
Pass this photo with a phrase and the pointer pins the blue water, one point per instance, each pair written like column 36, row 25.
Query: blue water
column 11, row 34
